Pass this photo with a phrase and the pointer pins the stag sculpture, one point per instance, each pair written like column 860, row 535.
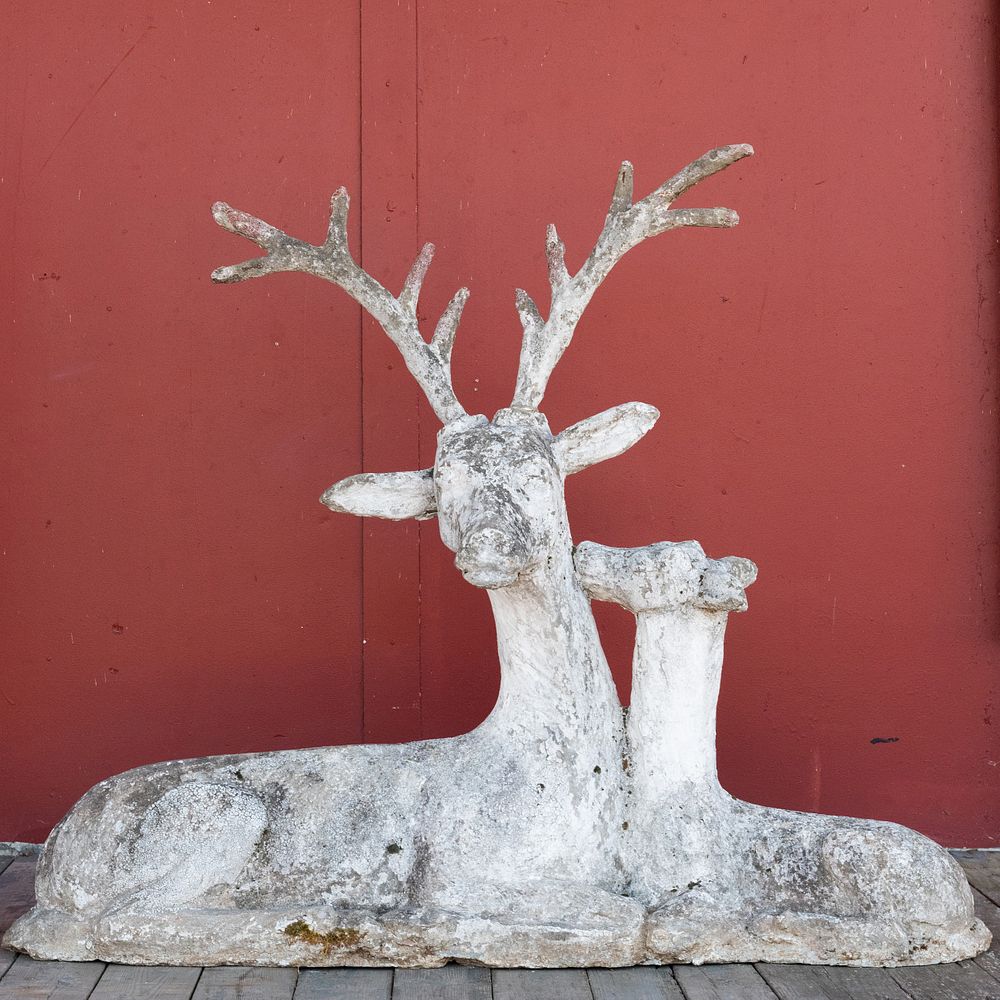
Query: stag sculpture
column 530, row 840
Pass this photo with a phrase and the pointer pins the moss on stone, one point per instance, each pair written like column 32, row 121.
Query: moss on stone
column 339, row 937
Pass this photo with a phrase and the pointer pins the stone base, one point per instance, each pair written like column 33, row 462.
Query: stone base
column 606, row 931
column 695, row 930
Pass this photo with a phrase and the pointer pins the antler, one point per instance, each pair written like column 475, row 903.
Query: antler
column 625, row 226
column 429, row 363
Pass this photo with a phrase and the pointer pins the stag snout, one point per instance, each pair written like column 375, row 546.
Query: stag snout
column 491, row 558
column 496, row 551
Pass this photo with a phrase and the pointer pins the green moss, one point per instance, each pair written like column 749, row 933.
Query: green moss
column 339, row 937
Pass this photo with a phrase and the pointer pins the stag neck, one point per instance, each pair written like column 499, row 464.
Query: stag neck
column 552, row 667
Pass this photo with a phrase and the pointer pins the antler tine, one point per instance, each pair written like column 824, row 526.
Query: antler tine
column 555, row 255
column 429, row 363
column 415, row 279
column 626, row 225
column 444, row 333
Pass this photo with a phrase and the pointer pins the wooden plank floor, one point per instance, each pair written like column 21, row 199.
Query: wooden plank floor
column 21, row 977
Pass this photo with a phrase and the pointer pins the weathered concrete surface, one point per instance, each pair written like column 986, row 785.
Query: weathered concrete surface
column 550, row 835
column 729, row 881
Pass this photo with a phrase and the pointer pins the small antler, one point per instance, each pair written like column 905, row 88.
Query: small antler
column 625, row 226
column 429, row 363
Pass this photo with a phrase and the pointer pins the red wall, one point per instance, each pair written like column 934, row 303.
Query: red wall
column 826, row 373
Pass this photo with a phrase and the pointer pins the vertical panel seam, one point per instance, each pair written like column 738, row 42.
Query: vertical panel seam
column 362, row 527
column 416, row 218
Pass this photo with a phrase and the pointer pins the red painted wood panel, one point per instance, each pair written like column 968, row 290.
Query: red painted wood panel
column 171, row 586
column 826, row 373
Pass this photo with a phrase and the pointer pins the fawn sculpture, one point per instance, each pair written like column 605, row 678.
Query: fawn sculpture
column 530, row 840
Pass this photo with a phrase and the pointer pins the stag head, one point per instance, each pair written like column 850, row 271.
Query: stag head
column 496, row 486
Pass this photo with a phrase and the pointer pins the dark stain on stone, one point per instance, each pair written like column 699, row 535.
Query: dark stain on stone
column 393, row 849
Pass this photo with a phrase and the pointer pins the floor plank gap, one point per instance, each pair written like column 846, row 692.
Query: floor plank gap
column 146, row 982
column 450, row 982
column 722, row 982
column 49, row 980
column 641, row 982
column 957, row 981
column 825, row 982
column 541, row 984
column 344, row 984
column 239, row 982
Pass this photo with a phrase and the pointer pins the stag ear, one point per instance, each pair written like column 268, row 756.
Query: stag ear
column 392, row 495
column 603, row 436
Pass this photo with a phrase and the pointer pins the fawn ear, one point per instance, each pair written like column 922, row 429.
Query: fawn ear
column 602, row 436
column 392, row 495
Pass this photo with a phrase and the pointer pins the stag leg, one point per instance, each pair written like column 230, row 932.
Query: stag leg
column 173, row 850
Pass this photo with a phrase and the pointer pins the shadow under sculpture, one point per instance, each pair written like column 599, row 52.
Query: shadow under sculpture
column 551, row 835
